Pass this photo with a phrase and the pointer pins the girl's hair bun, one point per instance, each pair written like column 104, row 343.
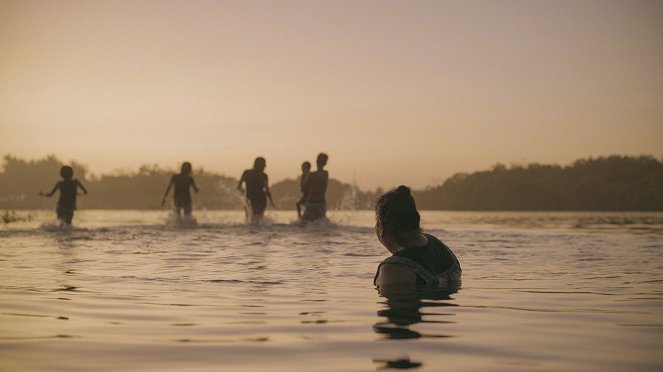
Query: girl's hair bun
column 398, row 213
column 404, row 190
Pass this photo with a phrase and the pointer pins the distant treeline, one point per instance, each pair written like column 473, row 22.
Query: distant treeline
column 21, row 181
column 605, row 183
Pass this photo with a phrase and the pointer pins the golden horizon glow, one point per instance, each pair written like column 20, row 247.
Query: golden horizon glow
column 396, row 92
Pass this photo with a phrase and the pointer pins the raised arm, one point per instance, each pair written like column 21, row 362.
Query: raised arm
column 49, row 194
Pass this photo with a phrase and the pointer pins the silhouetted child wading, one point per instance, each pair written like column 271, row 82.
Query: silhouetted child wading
column 316, row 187
column 68, row 191
column 181, row 195
column 306, row 170
column 257, row 188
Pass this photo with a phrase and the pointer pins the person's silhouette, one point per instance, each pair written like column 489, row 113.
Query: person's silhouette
column 306, row 170
column 68, row 191
column 316, row 187
column 418, row 260
column 182, row 182
column 257, row 188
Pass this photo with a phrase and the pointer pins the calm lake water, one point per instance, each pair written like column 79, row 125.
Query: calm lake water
column 127, row 290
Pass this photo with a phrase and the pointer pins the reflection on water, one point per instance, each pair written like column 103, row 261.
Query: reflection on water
column 608, row 222
column 616, row 222
column 223, row 295
column 403, row 363
column 405, row 309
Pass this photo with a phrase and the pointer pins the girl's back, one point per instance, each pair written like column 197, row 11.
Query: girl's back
column 68, row 189
column 182, row 182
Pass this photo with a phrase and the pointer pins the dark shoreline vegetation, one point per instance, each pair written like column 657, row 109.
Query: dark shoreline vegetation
column 614, row 183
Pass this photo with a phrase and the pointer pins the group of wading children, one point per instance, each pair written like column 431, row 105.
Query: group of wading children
column 418, row 260
column 313, row 186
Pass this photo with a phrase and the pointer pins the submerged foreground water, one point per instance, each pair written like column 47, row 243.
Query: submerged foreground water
column 125, row 290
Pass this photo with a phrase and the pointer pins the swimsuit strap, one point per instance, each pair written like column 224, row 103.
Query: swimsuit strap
column 411, row 265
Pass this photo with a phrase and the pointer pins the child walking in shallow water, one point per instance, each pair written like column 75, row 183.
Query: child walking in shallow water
column 181, row 196
column 316, row 187
column 257, row 188
column 306, row 170
column 68, row 191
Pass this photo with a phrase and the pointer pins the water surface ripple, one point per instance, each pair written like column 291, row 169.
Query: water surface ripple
column 574, row 292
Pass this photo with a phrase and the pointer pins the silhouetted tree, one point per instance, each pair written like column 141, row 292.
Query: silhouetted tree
column 605, row 183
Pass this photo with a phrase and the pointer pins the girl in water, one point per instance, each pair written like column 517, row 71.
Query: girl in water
column 257, row 188
column 418, row 260
column 68, row 191
column 182, row 196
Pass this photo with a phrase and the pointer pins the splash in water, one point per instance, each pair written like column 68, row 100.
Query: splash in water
column 172, row 219
column 241, row 199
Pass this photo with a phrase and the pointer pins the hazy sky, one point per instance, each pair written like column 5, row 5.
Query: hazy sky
column 396, row 92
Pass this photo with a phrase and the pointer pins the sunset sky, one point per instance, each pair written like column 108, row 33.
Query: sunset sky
column 396, row 92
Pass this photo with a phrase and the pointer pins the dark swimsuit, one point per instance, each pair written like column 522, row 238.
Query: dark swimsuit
column 434, row 263
column 67, row 200
column 255, row 190
column 181, row 194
